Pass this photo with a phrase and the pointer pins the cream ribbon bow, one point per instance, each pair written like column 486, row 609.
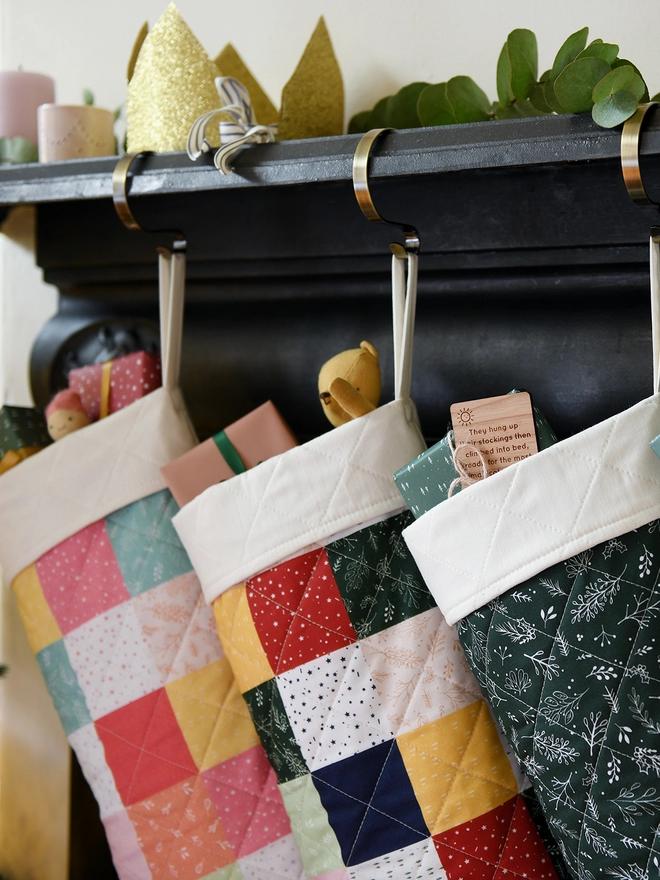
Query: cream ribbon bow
column 244, row 129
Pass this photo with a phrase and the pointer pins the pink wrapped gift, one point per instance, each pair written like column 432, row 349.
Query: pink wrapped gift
column 259, row 435
column 109, row 387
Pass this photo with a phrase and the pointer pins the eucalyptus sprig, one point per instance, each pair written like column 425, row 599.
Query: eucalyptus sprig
column 582, row 78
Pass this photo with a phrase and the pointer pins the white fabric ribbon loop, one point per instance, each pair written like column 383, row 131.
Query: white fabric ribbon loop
column 404, row 303
column 241, row 129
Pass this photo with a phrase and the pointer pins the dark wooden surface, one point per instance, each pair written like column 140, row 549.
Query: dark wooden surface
column 533, row 273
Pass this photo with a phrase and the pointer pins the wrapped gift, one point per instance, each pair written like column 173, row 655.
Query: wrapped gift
column 23, row 432
column 259, row 435
column 109, row 387
column 425, row 481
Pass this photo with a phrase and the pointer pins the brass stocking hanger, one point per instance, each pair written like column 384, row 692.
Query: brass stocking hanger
column 630, row 136
column 363, row 194
column 123, row 209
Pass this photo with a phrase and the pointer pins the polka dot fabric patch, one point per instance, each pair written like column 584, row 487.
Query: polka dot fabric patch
column 130, row 653
column 377, row 730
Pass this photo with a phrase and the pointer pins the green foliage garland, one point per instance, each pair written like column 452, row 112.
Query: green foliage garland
column 582, row 78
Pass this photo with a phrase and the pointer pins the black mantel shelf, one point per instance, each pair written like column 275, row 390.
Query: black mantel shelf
column 533, row 266
column 427, row 151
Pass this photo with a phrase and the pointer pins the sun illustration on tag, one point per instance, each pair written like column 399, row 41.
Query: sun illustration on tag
column 465, row 416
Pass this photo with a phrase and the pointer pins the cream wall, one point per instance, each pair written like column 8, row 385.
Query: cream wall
column 381, row 45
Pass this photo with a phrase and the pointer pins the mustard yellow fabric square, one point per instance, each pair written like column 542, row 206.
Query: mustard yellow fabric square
column 212, row 714
column 458, row 767
column 40, row 625
column 240, row 640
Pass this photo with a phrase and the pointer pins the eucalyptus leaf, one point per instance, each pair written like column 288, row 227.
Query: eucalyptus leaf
column 523, row 57
column 469, row 102
column 599, row 49
column 551, row 98
column 574, row 85
column 504, row 93
column 361, row 122
column 537, row 98
column 656, row 97
column 619, row 80
column 434, row 107
column 614, row 109
column 17, row 151
column 544, row 76
column 623, row 62
column 569, row 51
column 402, row 107
column 517, row 110
column 88, row 97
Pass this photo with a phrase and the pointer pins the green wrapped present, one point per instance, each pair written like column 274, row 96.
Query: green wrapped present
column 424, row 482
column 23, row 431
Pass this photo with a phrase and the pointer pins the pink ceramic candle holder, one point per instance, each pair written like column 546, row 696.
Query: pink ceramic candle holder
column 74, row 132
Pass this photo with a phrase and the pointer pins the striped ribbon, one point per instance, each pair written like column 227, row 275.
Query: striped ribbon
column 242, row 128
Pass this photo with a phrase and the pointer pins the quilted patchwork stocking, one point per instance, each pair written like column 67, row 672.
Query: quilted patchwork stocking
column 386, row 755
column 129, row 649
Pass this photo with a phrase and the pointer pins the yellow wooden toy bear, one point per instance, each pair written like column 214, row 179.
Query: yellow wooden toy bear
column 349, row 384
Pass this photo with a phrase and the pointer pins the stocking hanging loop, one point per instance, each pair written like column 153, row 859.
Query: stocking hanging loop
column 404, row 283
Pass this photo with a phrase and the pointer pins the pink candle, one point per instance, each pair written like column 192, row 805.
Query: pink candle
column 20, row 95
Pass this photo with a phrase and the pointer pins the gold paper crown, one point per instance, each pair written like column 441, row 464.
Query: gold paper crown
column 171, row 83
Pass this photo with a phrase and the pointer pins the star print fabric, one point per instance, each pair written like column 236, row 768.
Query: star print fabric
column 130, row 653
column 386, row 755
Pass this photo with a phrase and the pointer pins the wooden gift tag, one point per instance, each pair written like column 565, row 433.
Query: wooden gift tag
column 501, row 428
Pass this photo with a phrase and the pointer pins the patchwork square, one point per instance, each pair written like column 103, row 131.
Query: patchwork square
column 240, row 639
column 80, row 577
column 247, row 800
column 458, row 767
column 127, row 856
column 40, row 625
column 277, row 861
column 63, row 685
column 334, row 707
column 211, row 714
column 316, row 839
column 180, row 833
column 86, row 743
column 420, row 670
column 274, row 729
column 178, row 627
column 501, row 842
column 419, row 861
column 112, row 660
column 377, row 577
column 298, row 612
column 146, row 545
column 145, row 748
column 371, row 804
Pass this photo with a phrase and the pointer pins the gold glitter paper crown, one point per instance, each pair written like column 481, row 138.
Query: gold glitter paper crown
column 171, row 83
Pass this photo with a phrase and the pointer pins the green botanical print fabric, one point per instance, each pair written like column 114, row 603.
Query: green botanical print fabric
column 569, row 661
column 372, row 566
column 274, row 728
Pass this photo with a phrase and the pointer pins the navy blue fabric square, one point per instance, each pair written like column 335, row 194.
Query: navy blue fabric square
column 370, row 803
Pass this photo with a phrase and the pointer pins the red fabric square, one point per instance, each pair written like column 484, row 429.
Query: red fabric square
column 81, row 578
column 245, row 794
column 298, row 611
column 501, row 843
column 180, row 834
column 144, row 747
column 133, row 376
